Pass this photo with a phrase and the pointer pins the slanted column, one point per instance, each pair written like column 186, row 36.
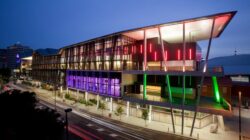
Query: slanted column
column 145, row 67
column 111, row 105
column 183, row 80
column 150, row 113
column 203, row 76
column 127, row 110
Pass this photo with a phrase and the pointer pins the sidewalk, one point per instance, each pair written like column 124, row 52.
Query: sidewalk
column 203, row 134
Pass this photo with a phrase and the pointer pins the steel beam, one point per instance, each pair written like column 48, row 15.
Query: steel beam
column 167, row 78
column 203, row 76
column 183, row 80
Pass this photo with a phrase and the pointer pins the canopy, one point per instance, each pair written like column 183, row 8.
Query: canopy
column 196, row 29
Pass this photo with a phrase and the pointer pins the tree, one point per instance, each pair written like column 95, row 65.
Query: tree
column 20, row 119
column 5, row 74
column 102, row 107
column 145, row 115
column 119, row 111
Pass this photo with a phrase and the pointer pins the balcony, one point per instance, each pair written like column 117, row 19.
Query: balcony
column 207, row 105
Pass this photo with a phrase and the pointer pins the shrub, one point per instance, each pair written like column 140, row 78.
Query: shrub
column 119, row 111
column 145, row 115
column 94, row 101
column 82, row 101
column 102, row 106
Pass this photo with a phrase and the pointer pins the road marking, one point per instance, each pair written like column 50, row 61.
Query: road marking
column 100, row 129
column 113, row 135
column 101, row 122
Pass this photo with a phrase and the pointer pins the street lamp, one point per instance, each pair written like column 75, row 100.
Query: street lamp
column 239, row 115
column 55, row 89
column 66, row 116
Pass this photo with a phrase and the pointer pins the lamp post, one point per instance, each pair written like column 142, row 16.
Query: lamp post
column 55, row 89
column 239, row 115
column 66, row 117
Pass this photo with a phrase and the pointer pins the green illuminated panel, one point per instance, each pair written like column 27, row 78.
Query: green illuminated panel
column 144, row 86
column 179, row 90
column 169, row 88
column 216, row 89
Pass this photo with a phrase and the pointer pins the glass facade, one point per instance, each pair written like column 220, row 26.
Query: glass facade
column 96, row 82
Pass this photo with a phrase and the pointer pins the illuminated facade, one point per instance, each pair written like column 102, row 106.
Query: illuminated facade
column 157, row 65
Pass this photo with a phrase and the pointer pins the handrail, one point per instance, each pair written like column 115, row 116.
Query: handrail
column 229, row 105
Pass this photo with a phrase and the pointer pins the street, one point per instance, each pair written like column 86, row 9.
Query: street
column 91, row 126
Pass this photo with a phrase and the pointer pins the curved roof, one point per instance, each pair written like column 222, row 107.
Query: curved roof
column 232, row 65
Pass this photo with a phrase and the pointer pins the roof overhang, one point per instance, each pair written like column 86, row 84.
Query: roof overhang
column 196, row 29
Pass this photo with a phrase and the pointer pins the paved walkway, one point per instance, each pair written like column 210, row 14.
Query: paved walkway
column 203, row 134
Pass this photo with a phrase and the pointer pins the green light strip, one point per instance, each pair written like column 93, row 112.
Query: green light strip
column 169, row 88
column 144, row 86
column 216, row 89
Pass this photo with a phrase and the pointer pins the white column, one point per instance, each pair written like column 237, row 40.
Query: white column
column 221, row 122
column 67, row 90
column 150, row 113
column 127, row 111
column 61, row 89
column 111, row 104
column 98, row 100
column 77, row 94
column 86, row 96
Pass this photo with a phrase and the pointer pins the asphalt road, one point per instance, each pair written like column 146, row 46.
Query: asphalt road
column 93, row 127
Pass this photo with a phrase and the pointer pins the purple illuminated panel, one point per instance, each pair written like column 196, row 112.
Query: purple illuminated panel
column 103, row 86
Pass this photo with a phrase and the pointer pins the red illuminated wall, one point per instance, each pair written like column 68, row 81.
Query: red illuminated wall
column 154, row 51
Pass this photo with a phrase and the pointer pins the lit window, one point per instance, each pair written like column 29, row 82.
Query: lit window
column 179, row 54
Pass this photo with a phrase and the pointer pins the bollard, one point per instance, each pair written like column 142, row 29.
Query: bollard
column 168, row 129
column 197, row 136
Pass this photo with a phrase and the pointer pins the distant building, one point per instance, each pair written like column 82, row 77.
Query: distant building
column 3, row 60
column 236, row 68
column 49, row 61
column 25, row 68
column 15, row 53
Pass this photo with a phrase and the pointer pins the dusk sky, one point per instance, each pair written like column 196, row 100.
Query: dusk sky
column 57, row 23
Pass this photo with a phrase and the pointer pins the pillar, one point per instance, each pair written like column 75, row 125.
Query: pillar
column 127, row 110
column 150, row 113
column 86, row 96
column 61, row 89
column 111, row 105
column 221, row 122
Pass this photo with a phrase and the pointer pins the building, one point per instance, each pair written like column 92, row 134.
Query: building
column 14, row 55
column 3, row 60
column 236, row 68
column 46, row 64
column 155, row 67
column 26, row 68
